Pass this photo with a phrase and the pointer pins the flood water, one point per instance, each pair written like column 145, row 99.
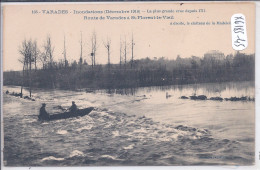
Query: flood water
column 140, row 127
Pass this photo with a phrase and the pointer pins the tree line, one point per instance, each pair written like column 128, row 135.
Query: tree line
column 40, row 70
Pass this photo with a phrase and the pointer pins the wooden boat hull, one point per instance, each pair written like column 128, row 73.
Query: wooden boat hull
column 66, row 115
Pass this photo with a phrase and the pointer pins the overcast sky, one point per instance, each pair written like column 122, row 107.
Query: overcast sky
column 153, row 38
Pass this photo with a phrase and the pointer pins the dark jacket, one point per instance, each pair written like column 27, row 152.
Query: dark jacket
column 73, row 108
column 43, row 114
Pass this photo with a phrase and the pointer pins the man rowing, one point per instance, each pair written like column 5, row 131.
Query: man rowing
column 73, row 109
column 43, row 114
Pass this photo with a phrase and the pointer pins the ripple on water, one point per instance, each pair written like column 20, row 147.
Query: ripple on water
column 116, row 133
column 129, row 147
column 88, row 127
column 62, row 132
column 76, row 153
column 50, row 158
column 109, row 157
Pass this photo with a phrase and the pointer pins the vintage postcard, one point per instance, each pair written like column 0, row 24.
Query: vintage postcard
column 129, row 84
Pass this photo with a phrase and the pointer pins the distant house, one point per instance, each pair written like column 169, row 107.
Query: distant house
column 214, row 54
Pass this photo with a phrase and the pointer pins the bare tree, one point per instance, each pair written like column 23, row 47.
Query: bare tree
column 30, row 60
column 23, row 51
column 64, row 53
column 107, row 44
column 125, row 51
column 132, row 60
column 93, row 48
column 35, row 54
column 120, row 53
column 48, row 51
column 80, row 58
column 27, row 50
column 43, row 60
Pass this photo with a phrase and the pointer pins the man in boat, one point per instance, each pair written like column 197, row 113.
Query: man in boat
column 43, row 114
column 73, row 109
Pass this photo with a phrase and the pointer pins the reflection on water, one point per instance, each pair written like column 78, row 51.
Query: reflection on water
column 228, row 89
column 142, row 127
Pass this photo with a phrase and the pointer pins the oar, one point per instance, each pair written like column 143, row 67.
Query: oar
column 59, row 107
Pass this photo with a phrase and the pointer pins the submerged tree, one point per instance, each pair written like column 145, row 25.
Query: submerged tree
column 23, row 51
column 28, row 50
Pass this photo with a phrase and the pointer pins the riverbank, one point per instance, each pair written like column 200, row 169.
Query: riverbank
column 138, row 73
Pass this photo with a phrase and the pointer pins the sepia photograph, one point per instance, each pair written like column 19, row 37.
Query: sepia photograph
column 128, row 84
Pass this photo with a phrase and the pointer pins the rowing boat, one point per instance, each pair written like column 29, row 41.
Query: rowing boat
column 66, row 115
